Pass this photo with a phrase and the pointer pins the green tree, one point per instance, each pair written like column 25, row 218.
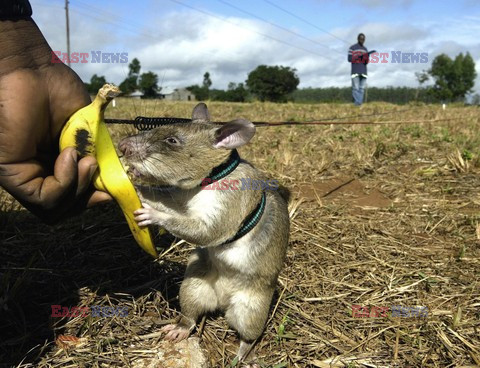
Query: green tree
column 272, row 83
column 201, row 94
column 464, row 70
column 134, row 68
column 441, row 72
column 96, row 82
column 453, row 78
column 148, row 84
column 235, row 93
column 422, row 77
column 130, row 83
column 207, row 82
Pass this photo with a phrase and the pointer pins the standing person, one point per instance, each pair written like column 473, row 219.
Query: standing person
column 358, row 55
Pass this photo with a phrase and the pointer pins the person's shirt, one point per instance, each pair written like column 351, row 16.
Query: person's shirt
column 358, row 56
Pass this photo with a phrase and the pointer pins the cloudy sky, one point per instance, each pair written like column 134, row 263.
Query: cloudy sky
column 180, row 40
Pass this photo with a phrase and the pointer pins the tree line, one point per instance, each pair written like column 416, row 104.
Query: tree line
column 397, row 95
column 265, row 83
column 452, row 80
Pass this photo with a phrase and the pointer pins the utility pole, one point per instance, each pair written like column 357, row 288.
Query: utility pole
column 68, row 32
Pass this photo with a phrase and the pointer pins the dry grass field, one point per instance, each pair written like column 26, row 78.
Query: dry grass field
column 382, row 215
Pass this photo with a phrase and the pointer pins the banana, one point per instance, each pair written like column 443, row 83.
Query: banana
column 87, row 132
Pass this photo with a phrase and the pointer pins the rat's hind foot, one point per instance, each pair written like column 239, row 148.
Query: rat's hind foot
column 175, row 333
column 246, row 355
column 179, row 331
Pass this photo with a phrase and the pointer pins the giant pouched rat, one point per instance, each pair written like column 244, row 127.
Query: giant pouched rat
column 241, row 233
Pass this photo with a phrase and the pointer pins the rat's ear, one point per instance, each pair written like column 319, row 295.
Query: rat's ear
column 200, row 114
column 234, row 134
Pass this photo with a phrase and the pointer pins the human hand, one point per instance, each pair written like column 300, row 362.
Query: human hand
column 36, row 99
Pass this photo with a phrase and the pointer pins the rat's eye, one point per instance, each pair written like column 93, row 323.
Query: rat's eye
column 172, row 140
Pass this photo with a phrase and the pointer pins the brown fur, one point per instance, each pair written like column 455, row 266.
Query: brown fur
column 238, row 278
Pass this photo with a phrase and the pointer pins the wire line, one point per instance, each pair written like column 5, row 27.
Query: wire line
column 277, row 26
column 251, row 30
column 305, row 21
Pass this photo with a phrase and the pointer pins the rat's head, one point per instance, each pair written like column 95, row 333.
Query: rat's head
column 183, row 154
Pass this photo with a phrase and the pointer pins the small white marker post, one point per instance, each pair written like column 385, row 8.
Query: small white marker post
column 444, row 106
column 113, row 103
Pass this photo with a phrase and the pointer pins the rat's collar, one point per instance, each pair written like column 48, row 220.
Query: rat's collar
column 226, row 168
column 217, row 173
column 250, row 221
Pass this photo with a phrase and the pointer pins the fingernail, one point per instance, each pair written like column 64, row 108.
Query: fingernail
column 93, row 168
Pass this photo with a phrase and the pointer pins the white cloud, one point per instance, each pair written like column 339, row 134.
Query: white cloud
column 181, row 47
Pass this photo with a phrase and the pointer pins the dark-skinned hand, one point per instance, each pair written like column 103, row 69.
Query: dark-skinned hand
column 36, row 99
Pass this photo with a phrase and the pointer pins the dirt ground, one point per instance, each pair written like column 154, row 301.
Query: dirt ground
column 382, row 215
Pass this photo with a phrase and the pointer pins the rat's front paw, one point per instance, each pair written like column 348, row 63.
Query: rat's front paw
column 148, row 216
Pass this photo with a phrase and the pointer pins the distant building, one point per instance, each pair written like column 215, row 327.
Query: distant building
column 136, row 94
column 178, row 94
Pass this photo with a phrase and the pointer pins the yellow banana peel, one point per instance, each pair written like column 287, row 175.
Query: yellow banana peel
column 87, row 132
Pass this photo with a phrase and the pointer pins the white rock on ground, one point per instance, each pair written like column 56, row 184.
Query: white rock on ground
column 185, row 354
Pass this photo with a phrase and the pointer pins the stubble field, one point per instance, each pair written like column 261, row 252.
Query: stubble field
column 382, row 215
